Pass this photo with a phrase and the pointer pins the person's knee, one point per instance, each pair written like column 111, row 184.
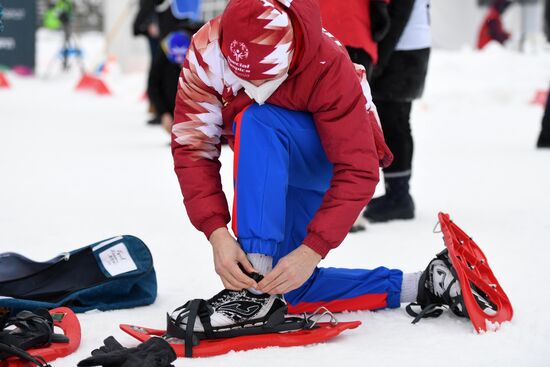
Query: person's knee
column 277, row 118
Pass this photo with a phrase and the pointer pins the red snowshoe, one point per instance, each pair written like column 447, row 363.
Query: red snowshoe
column 33, row 341
column 293, row 331
column 460, row 278
column 476, row 278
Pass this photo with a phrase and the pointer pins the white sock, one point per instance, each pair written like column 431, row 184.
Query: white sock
column 409, row 287
column 263, row 265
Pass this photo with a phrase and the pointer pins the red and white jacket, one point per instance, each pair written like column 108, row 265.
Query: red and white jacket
column 323, row 81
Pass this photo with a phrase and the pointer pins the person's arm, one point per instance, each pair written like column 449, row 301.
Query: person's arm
column 354, row 145
column 400, row 12
column 196, row 147
column 144, row 17
column 379, row 19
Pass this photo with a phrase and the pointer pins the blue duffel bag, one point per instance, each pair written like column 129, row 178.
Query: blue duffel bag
column 112, row 274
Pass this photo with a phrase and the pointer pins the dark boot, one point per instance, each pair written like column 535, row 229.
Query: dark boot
column 544, row 137
column 397, row 203
column 544, row 140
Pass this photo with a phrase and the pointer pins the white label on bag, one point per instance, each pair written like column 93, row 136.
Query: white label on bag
column 106, row 242
column 117, row 260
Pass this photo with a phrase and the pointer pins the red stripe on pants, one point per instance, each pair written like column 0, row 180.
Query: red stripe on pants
column 366, row 302
column 236, row 150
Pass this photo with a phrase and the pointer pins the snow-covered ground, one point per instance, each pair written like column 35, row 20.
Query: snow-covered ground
column 77, row 168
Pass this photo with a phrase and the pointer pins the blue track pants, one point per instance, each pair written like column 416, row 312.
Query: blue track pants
column 281, row 173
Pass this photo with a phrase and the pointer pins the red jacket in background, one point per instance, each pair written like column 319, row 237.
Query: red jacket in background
column 322, row 81
column 350, row 22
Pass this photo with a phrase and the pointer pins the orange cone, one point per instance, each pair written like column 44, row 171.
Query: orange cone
column 540, row 97
column 3, row 81
column 94, row 84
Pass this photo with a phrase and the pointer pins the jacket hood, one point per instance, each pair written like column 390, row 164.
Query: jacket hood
column 306, row 20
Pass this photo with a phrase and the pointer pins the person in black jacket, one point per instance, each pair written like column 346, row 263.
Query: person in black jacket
column 544, row 136
column 146, row 24
column 397, row 80
column 156, row 21
column 163, row 79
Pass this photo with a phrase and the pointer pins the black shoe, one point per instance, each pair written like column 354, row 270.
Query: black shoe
column 439, row 288
column 389, row 207
column 397, row 203
column 229, row 309
column 154, row 121
column 543, row 140
column 232, row 314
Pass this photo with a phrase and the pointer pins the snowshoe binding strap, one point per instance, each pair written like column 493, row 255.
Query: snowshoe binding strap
column 257, row 277
column 433, row 310
column 12, row 351
column 32, row 330
column 274, row 322
column 4, row 316
column 432, row 306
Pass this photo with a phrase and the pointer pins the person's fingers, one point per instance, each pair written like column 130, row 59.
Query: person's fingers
column 243, row 260
column 241, row 278
column 228, row 285
column 237, row 272
column 225, row 271
column 273, row 279
column 237, row 284
column 281, row 286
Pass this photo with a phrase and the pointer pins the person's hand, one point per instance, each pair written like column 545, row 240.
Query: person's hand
column 227, row 257
column 167, row 121
column 153, row 30
column 291, row 271
column 380, row 20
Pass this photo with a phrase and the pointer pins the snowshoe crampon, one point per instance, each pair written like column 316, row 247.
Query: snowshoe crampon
column 475, row 277
column 56, row 345
column 292, row 331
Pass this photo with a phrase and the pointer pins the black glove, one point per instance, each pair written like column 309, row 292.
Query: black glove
column 379, row 20
column 155, row 352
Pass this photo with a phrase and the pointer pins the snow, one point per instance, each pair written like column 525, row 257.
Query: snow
column 77, row 168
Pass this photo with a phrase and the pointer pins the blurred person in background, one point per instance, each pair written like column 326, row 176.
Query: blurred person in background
column 359, row 25
column 157, row 20
column 146, row 24
column 59, row 16
column 544, row 136
column 492, row 29
column 163, row 78
column 398, row 79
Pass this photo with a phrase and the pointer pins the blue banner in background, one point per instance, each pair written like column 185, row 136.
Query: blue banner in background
column 190, row 9
column 1, row 16
column 17, row 41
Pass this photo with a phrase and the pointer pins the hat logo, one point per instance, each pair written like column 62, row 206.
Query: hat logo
column 239, row 50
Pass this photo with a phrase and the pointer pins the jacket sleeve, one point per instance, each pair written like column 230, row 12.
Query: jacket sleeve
column 196, row 145
column 144, row 17
column 400, row 12
column 348, row 133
